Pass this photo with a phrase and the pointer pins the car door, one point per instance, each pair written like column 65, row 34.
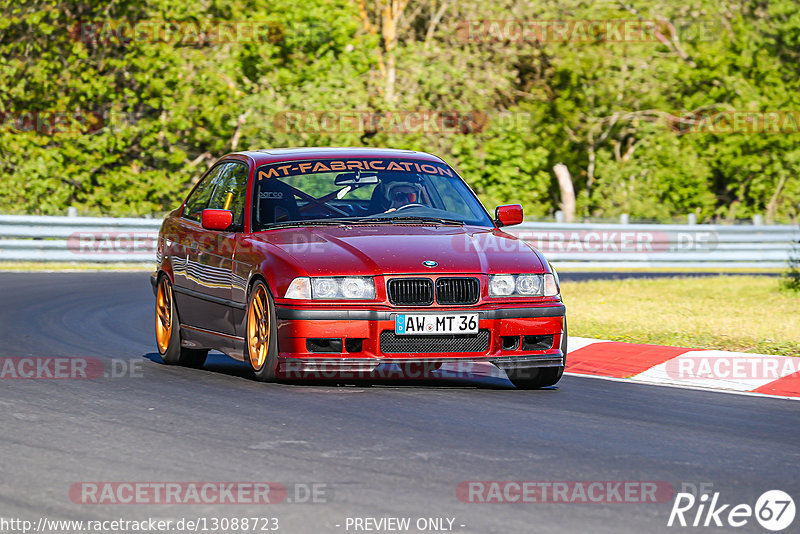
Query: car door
column 188, row 234
column 214, row 254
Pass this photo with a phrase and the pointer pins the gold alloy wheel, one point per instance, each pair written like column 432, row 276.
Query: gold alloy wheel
column 258, row 328
column 163, row 315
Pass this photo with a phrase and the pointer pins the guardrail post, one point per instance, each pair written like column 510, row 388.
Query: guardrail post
column 624, row 218
column 72, row 211
column 692, row 218
column 758, row 220
column 560, row 216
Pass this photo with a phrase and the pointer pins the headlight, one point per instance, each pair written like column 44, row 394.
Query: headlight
column 529, row 284
column 347, row 287
column 501, row 285
column 523, row 285
column 324, row 288
column 357, row 288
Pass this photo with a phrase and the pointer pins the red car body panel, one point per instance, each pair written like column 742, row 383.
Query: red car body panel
column 212, row 271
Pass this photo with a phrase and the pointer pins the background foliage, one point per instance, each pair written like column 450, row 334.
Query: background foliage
column 160, row 112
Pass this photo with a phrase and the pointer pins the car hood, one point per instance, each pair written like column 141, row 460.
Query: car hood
column 396, row 249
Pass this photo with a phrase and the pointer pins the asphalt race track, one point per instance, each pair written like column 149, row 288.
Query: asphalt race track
column 383, row 451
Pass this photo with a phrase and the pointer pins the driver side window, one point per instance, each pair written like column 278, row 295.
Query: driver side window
column 229, row 191
column 198, row 200
column 224, row 189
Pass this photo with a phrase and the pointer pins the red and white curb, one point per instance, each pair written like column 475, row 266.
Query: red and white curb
column 734, row 372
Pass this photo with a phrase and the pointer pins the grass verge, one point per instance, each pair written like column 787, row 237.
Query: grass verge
column 739, row 313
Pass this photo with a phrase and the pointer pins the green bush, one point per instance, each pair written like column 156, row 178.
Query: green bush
column 791, row 279
column 149, row 116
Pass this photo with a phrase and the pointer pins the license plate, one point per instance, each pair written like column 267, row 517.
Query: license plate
column 463, row 323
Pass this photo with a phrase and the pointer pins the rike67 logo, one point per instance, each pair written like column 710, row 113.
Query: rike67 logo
column 774, row 510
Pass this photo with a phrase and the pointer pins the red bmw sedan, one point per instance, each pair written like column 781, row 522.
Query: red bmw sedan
column 349, row 260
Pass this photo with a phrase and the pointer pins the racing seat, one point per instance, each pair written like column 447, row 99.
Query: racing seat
column 276, row 203
column 378, row 202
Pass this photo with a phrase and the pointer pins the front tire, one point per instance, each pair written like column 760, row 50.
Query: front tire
column 542, row 376
column 168, row 330
column 262, row 333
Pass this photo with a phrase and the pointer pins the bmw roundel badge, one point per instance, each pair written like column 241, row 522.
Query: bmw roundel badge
column 430, row 263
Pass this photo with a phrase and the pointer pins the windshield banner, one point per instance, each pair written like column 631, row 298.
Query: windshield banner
column 298, row 168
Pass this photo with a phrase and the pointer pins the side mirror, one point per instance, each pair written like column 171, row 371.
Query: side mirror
column 508, row 215
column 216, row 219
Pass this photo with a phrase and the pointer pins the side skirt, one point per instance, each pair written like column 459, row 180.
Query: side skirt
column 199, row 338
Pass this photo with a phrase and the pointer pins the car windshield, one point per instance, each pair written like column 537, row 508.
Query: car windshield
column 350, row 191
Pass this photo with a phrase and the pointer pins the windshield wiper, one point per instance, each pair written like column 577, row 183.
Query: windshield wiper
column 311, row 222
column 439, row 220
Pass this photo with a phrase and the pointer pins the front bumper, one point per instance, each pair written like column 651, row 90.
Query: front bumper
column 365, row 354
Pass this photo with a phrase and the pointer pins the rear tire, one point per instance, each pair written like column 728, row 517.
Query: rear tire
column 542, row 376
column 261, row 341
column 168, row 330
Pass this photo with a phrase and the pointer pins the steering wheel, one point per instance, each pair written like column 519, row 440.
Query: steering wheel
column 413, row 205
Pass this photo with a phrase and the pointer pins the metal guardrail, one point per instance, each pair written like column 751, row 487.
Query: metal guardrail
column 567, row 245
column 77, row 239
column 618, row 246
